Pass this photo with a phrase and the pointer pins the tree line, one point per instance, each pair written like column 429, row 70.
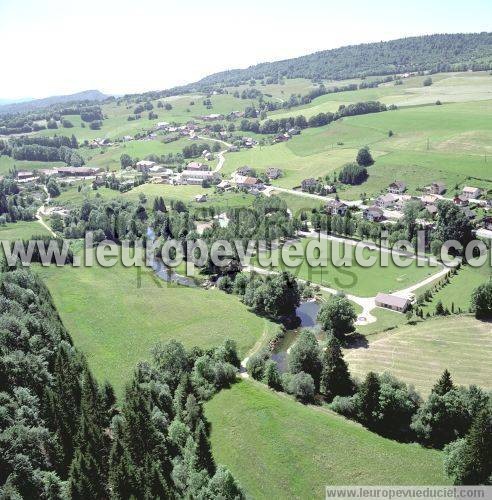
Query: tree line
column 64, row 435
column 458, row 419
column 271, row 126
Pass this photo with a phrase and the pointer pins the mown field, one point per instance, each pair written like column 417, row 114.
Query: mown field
column 116, row 314
column 419, row 354
column 278, row 448
column 356, row 280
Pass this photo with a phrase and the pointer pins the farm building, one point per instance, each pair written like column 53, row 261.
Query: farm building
column 397, row 187
column 196, row 177
column 224, row 185
column 196, row 165
column 78, row 171
column 461, row 200
column 248, row 182
column 399, row 304
column 386, row 200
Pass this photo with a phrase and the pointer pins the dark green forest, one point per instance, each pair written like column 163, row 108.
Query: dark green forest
column 434, row 53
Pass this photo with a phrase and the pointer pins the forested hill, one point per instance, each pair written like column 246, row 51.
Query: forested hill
column 423, row 53
column 19, row 107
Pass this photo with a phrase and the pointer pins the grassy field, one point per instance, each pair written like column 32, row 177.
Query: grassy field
column 298, row 204
column 115, row 316
column 22, row 230
column 458, row 292
column 419, row 354
column 446, row 87
column 109, row 157
column 117, row 125
column 278, row 448
column 356, row 280
column 296, row 165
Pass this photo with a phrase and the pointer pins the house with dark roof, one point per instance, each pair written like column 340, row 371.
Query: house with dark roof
column 373, row 214
column 308, row 184
column 461, row 201
column 397, row 187
column 336, row 207
column 273, row 173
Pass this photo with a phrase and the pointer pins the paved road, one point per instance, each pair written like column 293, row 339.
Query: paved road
column 220, row 154
column 269, row 189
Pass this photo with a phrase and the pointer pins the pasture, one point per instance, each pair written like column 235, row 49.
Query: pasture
column 278, row 448
column 116, row 314
column 353, row 279
column 23, row 230
column 419, row 354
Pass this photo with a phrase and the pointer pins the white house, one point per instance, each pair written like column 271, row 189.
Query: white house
column 386, row 200
column 471, row 193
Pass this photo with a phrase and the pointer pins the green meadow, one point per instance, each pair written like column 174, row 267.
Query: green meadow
column 22, row 230
column 418, row 354
column 355, row 279
column 279, row 448
column 116, row 314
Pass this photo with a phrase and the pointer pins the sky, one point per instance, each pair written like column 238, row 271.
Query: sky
column 55, row 47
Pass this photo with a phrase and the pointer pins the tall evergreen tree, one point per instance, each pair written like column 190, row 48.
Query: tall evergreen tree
column 444, row 384
column 88, row 472
column 473, row 461
column 369, row 400
column 204, row 450
column 335, row 376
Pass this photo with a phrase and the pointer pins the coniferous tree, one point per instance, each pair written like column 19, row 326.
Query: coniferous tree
column 335, row 376
column 65, row 400
column 204, row 450
column 88, row 472
column 444, row 384
column 469, row 460
column 369, row 400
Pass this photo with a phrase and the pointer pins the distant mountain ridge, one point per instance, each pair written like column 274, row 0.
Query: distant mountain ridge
column 440, row 52
column 89, row 95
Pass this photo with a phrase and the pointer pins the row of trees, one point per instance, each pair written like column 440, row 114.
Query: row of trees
column 274, row 126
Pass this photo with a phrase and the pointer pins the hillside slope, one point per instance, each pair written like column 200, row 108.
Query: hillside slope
column 278, row 448
column 19, row 107
column 442, row 52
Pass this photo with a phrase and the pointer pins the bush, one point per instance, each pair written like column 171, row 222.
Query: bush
column 95, row 125
column 345, row 405
column 364, row 157
column 272, row 375
column 301, row 386
column 256, row 366
column 481, row 301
